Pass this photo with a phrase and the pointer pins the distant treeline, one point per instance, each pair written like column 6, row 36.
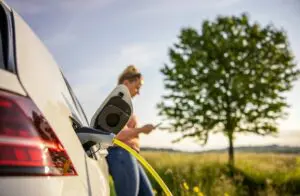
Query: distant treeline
column 257, row 149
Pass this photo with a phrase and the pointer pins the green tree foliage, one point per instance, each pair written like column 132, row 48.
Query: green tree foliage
column 230, row 77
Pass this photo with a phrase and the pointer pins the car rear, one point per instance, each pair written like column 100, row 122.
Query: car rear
column 40, row 153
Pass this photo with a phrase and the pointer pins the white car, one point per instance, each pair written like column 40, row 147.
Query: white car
column 46, row 146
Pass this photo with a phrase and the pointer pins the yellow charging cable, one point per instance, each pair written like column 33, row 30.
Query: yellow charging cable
column 146, row 165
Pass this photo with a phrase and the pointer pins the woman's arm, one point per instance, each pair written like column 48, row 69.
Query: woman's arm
column 129, row 133
column 132, row 131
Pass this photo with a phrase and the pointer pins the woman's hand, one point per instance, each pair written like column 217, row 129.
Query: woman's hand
column 147, row 128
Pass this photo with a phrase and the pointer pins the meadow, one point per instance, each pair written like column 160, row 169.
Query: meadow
column 208, row 174
column 189, row 174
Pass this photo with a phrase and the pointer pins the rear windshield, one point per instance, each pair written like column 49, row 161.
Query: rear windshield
column 3, row 38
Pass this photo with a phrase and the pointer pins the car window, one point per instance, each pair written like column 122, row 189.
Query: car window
column 3, row 37
column 7, row 51
column 2, row 66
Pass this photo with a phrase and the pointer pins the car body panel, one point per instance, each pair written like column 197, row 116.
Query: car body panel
column 36, row 186
column 10, row 82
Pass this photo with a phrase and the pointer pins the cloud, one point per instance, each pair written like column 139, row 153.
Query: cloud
column 60, row 16
column 76, row 5
column 30, row 7
column 92, row 83
column 34, row 7
column 179, row 6
column 142, row 55
column 225, row 3
column 60, row 39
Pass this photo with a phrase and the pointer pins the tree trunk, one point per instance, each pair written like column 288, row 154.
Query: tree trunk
column 230, row 150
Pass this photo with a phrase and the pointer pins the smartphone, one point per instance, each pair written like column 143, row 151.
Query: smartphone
column 157, row 125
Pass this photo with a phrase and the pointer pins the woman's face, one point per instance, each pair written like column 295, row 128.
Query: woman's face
column 134, row 86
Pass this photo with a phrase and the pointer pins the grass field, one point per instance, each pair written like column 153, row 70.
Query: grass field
column 208, row 174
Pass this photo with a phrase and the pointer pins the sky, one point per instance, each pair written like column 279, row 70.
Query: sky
column 94, row 40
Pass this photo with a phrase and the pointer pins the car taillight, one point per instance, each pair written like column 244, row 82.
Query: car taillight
column 28, row 145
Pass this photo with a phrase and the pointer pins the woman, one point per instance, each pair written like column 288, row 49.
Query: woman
column 129, row 177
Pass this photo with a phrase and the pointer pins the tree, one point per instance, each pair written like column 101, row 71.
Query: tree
column 230, row 78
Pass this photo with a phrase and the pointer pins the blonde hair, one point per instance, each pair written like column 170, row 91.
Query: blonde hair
column 131, row 73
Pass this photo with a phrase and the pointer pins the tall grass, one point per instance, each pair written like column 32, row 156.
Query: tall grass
column 208, row 174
